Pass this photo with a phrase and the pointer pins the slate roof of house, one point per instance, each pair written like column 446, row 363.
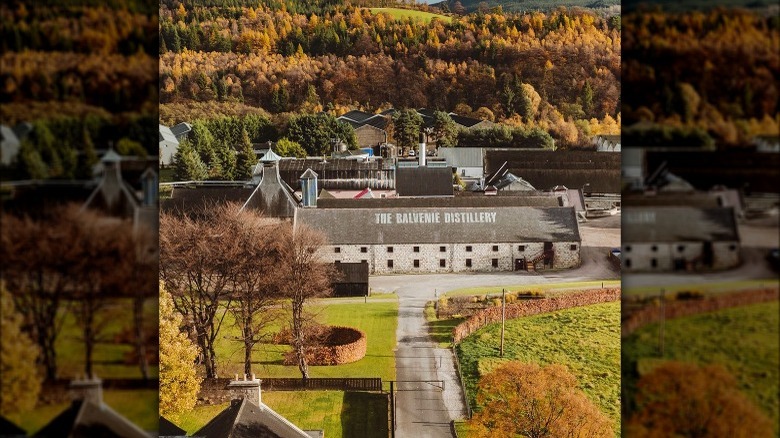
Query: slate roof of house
column 546, row 169
column 273, row 197
column 468, row 122
column 181, row 129
column 356, row 115
column 512, row 224
column 678, row 224
column 168, row 429
column 244, row 419
column 87, row 419
column 458, row 201
column 423, row 181
column 167, row 136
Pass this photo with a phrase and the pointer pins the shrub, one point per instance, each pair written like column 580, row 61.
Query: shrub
column 689, row 295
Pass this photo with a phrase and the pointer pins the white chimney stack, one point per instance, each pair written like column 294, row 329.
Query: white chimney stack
column 421, row 151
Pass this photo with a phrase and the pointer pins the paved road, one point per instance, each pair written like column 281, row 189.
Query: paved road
column 423, row 410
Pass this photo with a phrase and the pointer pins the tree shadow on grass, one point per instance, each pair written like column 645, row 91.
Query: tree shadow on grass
column 441, row 330
column 364, row 415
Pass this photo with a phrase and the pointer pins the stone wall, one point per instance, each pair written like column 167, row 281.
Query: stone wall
column 368, row 136
column 439, row 258
column 649, row 257
column 341, row 345
column 533, row 307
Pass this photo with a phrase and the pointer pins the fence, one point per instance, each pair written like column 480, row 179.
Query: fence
column 532, row 307
column 214, row 391
column 462, row 383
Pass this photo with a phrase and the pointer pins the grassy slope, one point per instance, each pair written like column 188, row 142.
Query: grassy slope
column 377, row 318
column 401, row 14
column 745, row 340
column 557, row 287
column 585, row 339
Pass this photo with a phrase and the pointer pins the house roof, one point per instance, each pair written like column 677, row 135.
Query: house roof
column 244, row 419
column 187, row 200
column 167, row 137
column 423, row 181
column 168, row 429
column 181, row 129
column 273, row 197
column 270, row 156
column 442, row 225
column 678, row 224
column 458, row 201
column 468, row 122
column 85, row 418
column 113, row 194
column 545, row 169
column 356, row 115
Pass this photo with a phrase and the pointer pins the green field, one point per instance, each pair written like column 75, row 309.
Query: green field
column 744, row 339
column 440, row 329
column 378, row 318
column 549, row 287
column 585, row 339
column 705, row 288
column 338, row 413
column 402, row 14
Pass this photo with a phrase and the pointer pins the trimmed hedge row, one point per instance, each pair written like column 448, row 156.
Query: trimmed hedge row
column 533, row 307
column 687, row 307
column 337, row 346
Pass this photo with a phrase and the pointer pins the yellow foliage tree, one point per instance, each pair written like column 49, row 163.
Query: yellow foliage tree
column 179, row 382
column 19, row 380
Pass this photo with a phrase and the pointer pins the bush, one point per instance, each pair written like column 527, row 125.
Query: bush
column 689, row 295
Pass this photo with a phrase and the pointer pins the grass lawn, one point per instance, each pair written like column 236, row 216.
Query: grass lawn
column 706, row 288
column 340, row 414
column 744, row 339
column 440, row 329
column 139, row 406
column 585, row 339
column 378, row 318
column 496, row 290
column 402, row 14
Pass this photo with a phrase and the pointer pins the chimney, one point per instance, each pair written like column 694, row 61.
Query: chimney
column 247, row 388
column 421, row 149
column 309, row 188
column 87, row 389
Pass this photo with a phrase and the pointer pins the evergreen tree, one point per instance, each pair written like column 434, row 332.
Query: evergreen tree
column 407, row 125
column 444, row 130
column 187, row 165
column 29, row 163
column 524, row 105
column 246, row 159
column 587, row 99
column 288, row 148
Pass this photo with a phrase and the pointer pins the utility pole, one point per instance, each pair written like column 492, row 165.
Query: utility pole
column 392, row 410
column 503, row 318
column 663, row 317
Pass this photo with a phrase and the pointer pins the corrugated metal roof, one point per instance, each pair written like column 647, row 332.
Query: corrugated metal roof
column 463, row 157
column 442, row 225
column 424, row 181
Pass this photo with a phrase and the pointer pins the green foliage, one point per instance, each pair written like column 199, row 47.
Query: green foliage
column 125, row 146
column 179, row 382
column 585, row 339
column 587, row 99
column 316, row 132
column 19, row 379
column 29, row 163
column 445, row 131
column 187, row 164
column 288, row 148
column 407, row 126
column 505, row 137
column 659, row 135
column 246, row 159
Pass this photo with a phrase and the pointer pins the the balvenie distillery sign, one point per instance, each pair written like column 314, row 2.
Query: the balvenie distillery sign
column 467, row 217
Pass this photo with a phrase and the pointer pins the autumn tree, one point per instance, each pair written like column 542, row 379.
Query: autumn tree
column 522, row 399
column 179, row 381
column 19, row 380
column 685, row 399
column 303, row 277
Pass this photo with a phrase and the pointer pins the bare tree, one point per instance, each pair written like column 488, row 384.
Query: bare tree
column 38, row 257
column 197, row 256
column 303, row 277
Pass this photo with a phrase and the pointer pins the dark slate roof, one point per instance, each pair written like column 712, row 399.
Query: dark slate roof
column 8, row 429
column 352, row 273
column 195, row 199
column 678, row 224
column 464, row 121
column 379, row 122
column 168, row 429
column 356, row 115
column 244, row 419
column 181, row 129
column 697, row 199
column 86, row 419
column 512, row 224
column 546, row 169
column 272, row 197
column 423, row 181
column 754, row 171
column 459, row 201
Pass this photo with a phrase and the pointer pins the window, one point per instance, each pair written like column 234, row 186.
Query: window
column 338, row 262
column 654, row 248
column 364, row 261
column 442, row 248
column 495, row 248
column 680, row 248
column 628, row 248
column 416, row 263
column 468, row 248
column 732, row 247
column 468, row 263
column 337, row 249
column 521, row 248
column 573, row 247
column 389, row 263
column 654, row 263
column 494, row 262
column 363, row 249
column 416, row 249
column 389, row 249
column 628, row 263
column 442, row 263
